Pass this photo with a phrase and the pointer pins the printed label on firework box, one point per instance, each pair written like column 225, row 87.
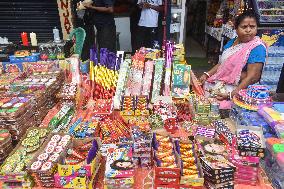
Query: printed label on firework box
column 48, row 185
column 12, row 67
column 245, row 161
column 142, row 112
column 75, row 170
column 119, row 163
column 218, row 176
column 118, row 186
column 251, row 151
column 228, row 185
column 47, row 177
column 219, row 181
column 120, row 181
column 47, row 181
column 246, row 182
column 70, row 182
column 247, row 169
column 246, row 177
column 127, row 113
column 192, row 181
column 166, row 180
column 180, row 80
column 257, row 132
column 184, row 186
column 217, row 165
column 166, row 187
column 167, row 172
column 80, row 169
column 12, row 178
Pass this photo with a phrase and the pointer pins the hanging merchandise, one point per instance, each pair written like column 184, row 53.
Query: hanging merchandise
column 75, row 70
column 169, row 57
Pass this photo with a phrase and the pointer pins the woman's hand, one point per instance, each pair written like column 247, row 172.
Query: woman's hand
column 140, row 5
column 88, row 6
column 203, row 78
column 234, row 92
column 146, row 6
column 222, row 96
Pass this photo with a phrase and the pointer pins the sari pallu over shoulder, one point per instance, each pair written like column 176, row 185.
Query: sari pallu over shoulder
column 233, row 61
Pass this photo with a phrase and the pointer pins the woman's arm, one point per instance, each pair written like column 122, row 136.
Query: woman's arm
column 158, row 8
column 204, row 77
column 253, row 75
column 100, row 9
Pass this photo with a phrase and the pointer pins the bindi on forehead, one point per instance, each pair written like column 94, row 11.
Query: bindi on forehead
column 248, row 21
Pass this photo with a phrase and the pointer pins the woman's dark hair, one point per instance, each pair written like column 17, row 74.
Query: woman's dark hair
column 114, row 165
column 246, row 14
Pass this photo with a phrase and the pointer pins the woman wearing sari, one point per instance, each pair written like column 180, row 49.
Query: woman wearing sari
column 240, row 64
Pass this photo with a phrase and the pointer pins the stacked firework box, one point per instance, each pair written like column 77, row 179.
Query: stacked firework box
column 119, row 171
column 218, row 172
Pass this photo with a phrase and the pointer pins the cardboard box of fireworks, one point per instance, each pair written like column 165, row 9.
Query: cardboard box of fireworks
column 250, row 141
column 13, row 170
column 79, row 164
column 39, row 66
column 191, row 172
column 44, row 165
column 172, row 186
column 181, row 80
column 9, row 67
column 137, row 106
column 181, row 186
column 166, row 160
column 119, row 169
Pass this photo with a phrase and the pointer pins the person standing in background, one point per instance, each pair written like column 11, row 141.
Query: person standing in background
column 103, row 18
column 135, row 14
column 99, row 14
column 148, row 23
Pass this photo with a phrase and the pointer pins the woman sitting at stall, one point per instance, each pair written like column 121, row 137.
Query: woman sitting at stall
column 240, row 64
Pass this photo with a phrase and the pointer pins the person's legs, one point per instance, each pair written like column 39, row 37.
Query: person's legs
column 134, row 19
column 106, row 36
column 140, row 37
column 89, row 41
column 151, row 36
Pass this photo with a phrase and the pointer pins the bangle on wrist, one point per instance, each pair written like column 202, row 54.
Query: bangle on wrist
column 208, row 75
column 230, row 95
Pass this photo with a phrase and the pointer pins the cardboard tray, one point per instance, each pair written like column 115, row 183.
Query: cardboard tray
column 74, row 170
column 186, row 180
column 45, row 178
column 163, row 172
column 22, row 175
